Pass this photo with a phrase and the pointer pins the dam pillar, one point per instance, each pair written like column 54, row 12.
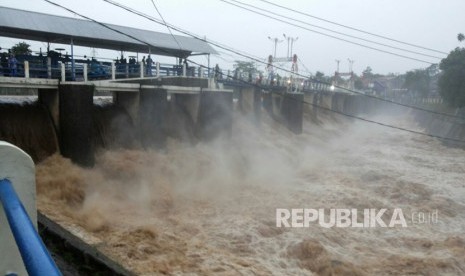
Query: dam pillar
column 257, row 103
column 268, row 102
column 326, row 103
column 130, row 102
column 215, row 113
column 292, row 111
column 326, row 100
column 352, row 105
column 360, row 104
column 309, row 107
column 250, row 103
column 184, row 115
column 337, row 103
column 153, row 108
column 76, row 125
column 49, row 98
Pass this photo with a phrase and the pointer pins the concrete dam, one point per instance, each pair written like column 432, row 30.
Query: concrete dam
column 136, row 167
column 173, row 176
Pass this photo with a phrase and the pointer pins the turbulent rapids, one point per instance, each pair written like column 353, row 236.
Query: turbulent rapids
column 211, row 208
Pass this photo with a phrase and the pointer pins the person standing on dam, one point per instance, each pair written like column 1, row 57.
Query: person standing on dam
column 217, row 72
column 4, row 64
column 149, row 62
column 270, row 70
column 13, row 65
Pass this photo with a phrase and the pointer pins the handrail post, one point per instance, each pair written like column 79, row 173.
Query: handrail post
column 49, row 68
column 84, row 72
column 158, row 69
column 113, row 70
column 142, row 70
column 63, row 72
column 184, row 69
column 26, row 69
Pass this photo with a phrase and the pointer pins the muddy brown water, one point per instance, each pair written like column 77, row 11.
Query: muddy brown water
column 210, row 208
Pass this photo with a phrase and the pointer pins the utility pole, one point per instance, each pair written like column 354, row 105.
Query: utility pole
column 337, row 68
column 351, row 64
column 290, row 44
column 276, row 41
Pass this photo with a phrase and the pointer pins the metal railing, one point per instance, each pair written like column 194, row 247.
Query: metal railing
column 98, row 70
column 36, row 258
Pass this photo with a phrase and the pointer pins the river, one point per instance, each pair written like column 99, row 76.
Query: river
column 210, row 208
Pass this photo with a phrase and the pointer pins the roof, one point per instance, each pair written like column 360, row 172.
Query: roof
column 59, row 29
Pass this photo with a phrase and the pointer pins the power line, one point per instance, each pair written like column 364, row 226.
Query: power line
column 352, row 28
column 218, row 44
column 333, row 31
column 327, row 35
column 386, row 125
column 97, row 22
column 350, row 115
column 237, row 52
column 303, row 101
column 137, row 39
column 169, row 29
column 303, row 65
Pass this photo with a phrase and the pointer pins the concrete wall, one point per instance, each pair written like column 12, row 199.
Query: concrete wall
column 308, row 98
column 75, row 107
column 214, row 114
column 350, row 104
column 326, row 100
column 337, row 102
column 292, row 111
column 153, row 108
column 18, row 167
column 286, row 108
column 443, row 126
column 183, row 116
column 250, row 103
column 129, row 101
column 49, row 98
column 171, row 81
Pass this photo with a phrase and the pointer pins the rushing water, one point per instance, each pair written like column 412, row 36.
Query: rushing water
column 211, row 208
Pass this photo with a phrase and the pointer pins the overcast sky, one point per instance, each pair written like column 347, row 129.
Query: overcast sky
column 430, row 23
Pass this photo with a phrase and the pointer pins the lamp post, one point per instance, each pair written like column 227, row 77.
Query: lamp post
column 276, row 41
column 290, row 44
column 351, row 64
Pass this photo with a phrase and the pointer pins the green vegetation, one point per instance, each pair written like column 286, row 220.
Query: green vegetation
column 246, row 67
column 452, row 80
column 418, row 81
column 21, row 48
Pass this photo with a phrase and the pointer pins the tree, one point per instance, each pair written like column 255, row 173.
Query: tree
column 358, row 83
column 460, row 37
column 320, row 76
column 418, row 81
column 21, row 48
column 246, row 66
column 452, row 80
column 367, row 73
column 245, row 69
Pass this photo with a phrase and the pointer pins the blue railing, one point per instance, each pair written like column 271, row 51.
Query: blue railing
column 96, row 70
column 35, row 256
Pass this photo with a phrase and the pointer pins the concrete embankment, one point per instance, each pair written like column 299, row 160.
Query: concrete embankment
column 451, row 127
